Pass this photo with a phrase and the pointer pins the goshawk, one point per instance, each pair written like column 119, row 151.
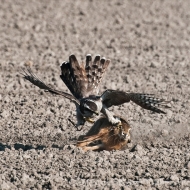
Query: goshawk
column 83, row 80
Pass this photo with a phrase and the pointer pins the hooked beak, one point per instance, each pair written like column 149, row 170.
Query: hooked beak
column 97, row 113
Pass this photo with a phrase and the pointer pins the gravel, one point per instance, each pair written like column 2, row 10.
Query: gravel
column 148, row 43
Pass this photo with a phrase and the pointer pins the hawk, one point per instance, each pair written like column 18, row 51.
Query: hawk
column 83, row 80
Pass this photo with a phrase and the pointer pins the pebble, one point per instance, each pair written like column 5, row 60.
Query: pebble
column 45, row 34
column 174, row 178
column 165, row 132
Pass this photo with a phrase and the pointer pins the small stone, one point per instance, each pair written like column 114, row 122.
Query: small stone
column 159, row 182
column 174, row 178
column 140, row 150
column 5, row 114
column 165, row 132
column 137, row 158
column 29, row 63
column 169, row 113
column 145, row 182
column 188, row 165
column 4, row 185
column 185, row 184
column 186, row 188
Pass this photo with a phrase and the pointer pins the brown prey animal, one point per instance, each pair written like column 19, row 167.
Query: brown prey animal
column 105, row 136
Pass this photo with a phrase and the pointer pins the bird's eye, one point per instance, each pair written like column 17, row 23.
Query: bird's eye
column 87, row 109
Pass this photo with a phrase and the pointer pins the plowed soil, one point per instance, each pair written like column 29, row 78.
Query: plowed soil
column 148, row 43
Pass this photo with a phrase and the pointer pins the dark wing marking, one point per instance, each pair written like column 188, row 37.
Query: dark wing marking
column 30, row 76
column 146, row 101
column 74, row 76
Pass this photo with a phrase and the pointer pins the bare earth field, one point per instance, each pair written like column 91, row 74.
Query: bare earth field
column 148, row 43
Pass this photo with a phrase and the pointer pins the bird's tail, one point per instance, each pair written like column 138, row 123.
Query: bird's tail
column 83, row 80
column 95, row 70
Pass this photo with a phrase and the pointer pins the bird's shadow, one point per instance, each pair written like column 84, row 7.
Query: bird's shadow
column 18, row 146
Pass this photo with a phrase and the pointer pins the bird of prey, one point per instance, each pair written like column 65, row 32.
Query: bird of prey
column 83, row 79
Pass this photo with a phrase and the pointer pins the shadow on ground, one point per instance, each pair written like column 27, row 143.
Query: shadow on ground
column 18, row 146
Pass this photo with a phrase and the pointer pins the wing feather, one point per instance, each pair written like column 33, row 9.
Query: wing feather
column 30, row 76
column 74, row 76
column 146, row 101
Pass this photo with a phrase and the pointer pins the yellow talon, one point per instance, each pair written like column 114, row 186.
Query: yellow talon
column 89, row 119
column 119, row 124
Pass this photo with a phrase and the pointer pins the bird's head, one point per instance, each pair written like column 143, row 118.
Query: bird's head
column 89, row 107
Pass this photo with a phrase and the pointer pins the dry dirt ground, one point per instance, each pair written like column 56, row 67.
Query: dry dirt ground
column 148, row 43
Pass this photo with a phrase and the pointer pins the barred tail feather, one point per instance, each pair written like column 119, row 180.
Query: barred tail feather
column 95, row 70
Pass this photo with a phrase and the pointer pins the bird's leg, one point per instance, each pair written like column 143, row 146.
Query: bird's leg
column 76, row 125
column 113, row 120
column 80, row 120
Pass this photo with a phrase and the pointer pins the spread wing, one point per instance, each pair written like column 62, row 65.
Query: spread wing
column 30, row 76
column 74, row 76
column 82, row 80
column 146, row 101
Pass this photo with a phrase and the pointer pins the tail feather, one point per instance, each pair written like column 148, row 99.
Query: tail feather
column 83, row 81
column 95, row 70
column 103, row 64
column 88, row 67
